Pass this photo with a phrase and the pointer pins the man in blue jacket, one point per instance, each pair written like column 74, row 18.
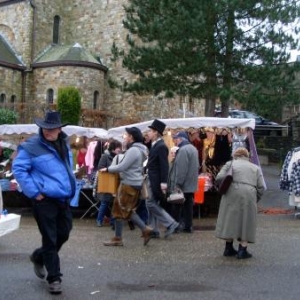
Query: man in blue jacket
column 43, row 169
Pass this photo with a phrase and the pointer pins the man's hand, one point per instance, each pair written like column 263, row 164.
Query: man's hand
column 39, row 197
column 164, row 187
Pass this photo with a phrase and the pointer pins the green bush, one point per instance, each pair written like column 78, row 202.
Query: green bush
column 8, row 116
column 69, row 105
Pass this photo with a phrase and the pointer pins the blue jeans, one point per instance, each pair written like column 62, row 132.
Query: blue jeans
column 142, row 211
column 54, row 220
column 104, row 208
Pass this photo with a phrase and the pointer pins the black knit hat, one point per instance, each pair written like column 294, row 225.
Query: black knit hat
column 135, row 133
column 158, row 126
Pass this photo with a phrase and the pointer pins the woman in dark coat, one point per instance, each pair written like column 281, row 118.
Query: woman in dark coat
column 238, row 207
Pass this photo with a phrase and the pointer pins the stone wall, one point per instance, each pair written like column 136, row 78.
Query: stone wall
column 11, row 83
column 95, row 24
column 86, row 80
column 16, row 27
column 274, row 147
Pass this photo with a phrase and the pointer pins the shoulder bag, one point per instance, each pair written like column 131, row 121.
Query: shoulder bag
column 226, row 182
column 176, row 195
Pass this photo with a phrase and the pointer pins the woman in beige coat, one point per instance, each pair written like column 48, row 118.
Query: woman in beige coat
column 238, row 207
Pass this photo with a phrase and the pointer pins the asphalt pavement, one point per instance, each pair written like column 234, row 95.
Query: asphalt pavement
column 184, row 266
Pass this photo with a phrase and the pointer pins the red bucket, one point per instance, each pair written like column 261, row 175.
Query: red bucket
column 199, row 194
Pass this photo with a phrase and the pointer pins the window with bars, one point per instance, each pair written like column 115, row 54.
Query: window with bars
column 50, row 95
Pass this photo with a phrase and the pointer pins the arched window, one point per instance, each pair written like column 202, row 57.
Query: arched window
column 95, row 101
column 13, row 101
column 56, row 29
column 50, row 95
column 2, row 98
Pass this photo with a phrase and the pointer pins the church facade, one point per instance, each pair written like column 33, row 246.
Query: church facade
column 48, row 44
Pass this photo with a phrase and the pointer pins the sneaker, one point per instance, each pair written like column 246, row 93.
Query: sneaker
column 55, row 287
column 39, row 269
column 115, row 241
column 171, row 229
column 99, row 224
column 147, row 234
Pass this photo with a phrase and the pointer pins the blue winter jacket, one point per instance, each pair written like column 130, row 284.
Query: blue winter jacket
column 39, row 169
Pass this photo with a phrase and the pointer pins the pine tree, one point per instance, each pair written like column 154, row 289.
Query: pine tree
column 209, row 49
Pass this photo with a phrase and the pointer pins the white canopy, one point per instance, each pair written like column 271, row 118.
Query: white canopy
column 8, row 129
column 186, row 123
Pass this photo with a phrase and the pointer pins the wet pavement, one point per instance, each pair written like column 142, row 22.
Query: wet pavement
column 184, row 266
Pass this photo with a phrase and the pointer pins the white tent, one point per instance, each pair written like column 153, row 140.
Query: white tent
column 27, row 129
column 186, row 123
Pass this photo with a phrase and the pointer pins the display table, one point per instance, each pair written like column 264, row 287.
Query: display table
column 86, row 190
column 9, row 223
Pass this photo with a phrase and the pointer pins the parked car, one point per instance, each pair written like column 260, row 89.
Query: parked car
column 259, row 120
column 262, row 126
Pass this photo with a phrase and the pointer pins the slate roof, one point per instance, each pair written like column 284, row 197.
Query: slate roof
column 64, row 55
column 8, row 56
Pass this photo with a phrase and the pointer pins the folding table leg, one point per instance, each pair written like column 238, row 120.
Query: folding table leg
column 94, row 204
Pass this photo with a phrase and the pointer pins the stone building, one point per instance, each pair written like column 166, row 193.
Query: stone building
column 47, row 44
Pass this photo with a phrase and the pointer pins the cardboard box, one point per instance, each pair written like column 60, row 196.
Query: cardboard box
column 108, row 182
column 9, row 223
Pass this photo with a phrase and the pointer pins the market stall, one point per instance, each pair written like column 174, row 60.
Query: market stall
column 215, row 140
column 186, row 123
column 29, row 129
column 13, row 134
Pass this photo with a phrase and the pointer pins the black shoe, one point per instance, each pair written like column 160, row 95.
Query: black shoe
column 131, row 225
column 188, row 230
column 243, row 253
column 155, row 235
column 39, row 269
column 229, row 250
column 55, row 287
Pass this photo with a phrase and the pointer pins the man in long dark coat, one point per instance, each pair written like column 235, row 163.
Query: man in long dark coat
column 158, row 168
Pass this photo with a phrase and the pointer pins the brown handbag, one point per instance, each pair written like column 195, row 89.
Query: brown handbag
column 144, row 191
column 226, row 182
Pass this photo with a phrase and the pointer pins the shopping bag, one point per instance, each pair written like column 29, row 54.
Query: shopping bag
column 108, row 182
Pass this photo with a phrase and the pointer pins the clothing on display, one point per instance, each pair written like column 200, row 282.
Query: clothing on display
column 220, row 143
column 290, row 176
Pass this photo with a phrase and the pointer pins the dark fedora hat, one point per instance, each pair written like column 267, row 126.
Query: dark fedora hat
column 158, row 126
column 136, row 134
column 52, row 120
